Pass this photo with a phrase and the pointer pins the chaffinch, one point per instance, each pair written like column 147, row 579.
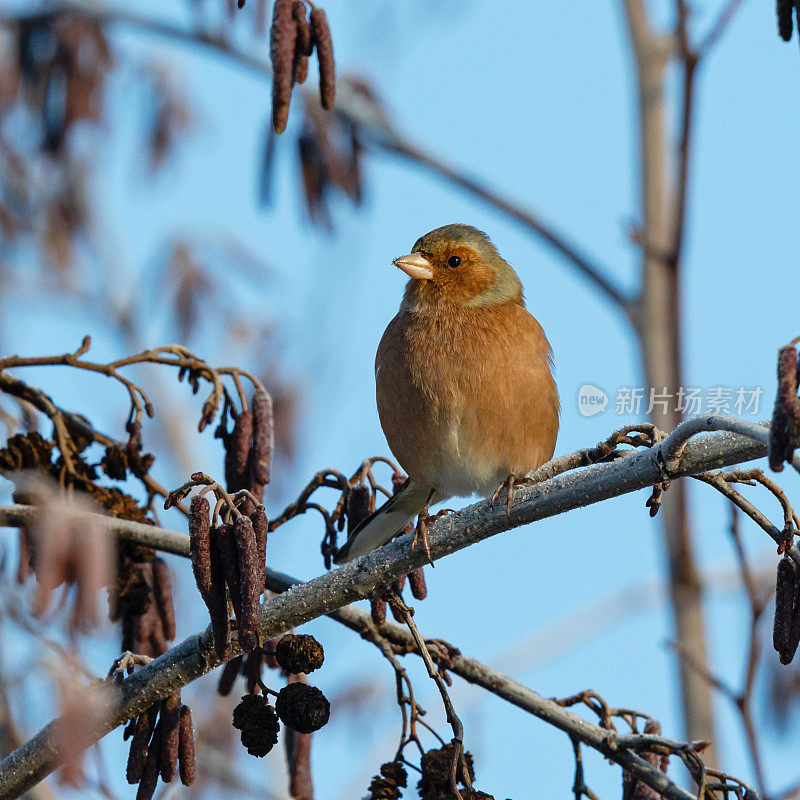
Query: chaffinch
column 464, row 386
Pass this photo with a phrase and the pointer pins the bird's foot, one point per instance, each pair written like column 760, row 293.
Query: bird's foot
column 421, row 529
column 421, row 535
column 508, row 484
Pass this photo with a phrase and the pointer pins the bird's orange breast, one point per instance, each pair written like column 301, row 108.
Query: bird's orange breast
column 466, row 395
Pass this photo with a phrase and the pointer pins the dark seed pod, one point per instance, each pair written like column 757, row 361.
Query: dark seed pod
column 186, row 747
column 162, row 590
column 391, row 780
column 299, row 653
column 784, row 430
column 168, row 735
column 436, row 766
column 218, row 607
column 263, row 436
column 137, row 755
column 785, row 589
column 784, row 9
column 416, row 580
column 283, row 35
column 249, row 577
column 228, row 677
column 327, row 67
column 237, row 453
column 261, row 529
column 359, row 504
column 149, row 779
column 257, row 721
column 302, row 707
column 377, row 609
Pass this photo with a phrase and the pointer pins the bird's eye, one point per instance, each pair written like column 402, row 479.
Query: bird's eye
column 454, row 261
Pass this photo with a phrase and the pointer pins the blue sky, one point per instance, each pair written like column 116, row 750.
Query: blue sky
column 539, row 104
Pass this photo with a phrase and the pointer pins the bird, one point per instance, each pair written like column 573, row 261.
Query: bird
column 463, row 382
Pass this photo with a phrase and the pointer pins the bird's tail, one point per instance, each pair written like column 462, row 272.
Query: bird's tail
column 385, row 522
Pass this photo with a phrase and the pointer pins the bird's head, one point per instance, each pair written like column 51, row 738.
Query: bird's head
column 458, row 264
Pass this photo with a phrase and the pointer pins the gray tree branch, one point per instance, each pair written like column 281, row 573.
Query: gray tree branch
column 361, row 578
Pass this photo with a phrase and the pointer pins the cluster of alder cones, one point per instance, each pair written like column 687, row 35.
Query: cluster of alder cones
column 301, row 707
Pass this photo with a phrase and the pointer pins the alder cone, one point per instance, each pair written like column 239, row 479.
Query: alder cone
column 299, row 653
column 302, row 707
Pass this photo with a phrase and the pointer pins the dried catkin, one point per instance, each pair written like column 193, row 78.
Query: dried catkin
column 416, row 580
column 263, row 436
column 283, row 35
column 162, row 590
column 218, row 608
column 249, row 577
column 261, row 529
column 784, row 431
column 208, row 572
column 327, row 68
column 377, row 610
column 237, row 453
column 168, row 735
column 149, row 779
column 200, row 545
column 226, row 546
column 785, row 591
column 137, row 755
column 186, row 747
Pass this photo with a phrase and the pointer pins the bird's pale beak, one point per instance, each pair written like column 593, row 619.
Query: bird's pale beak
column 415, row 265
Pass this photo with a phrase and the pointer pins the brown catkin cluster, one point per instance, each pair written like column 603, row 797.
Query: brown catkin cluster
column 162, row 740
column 436, row 766
column 299, row 653
column 293, row 37
column 786, row 629
column 142, row 600
column 302, row 707
column 784, row 429
column 388, row 784
column 232, row 556
column 248, row 447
